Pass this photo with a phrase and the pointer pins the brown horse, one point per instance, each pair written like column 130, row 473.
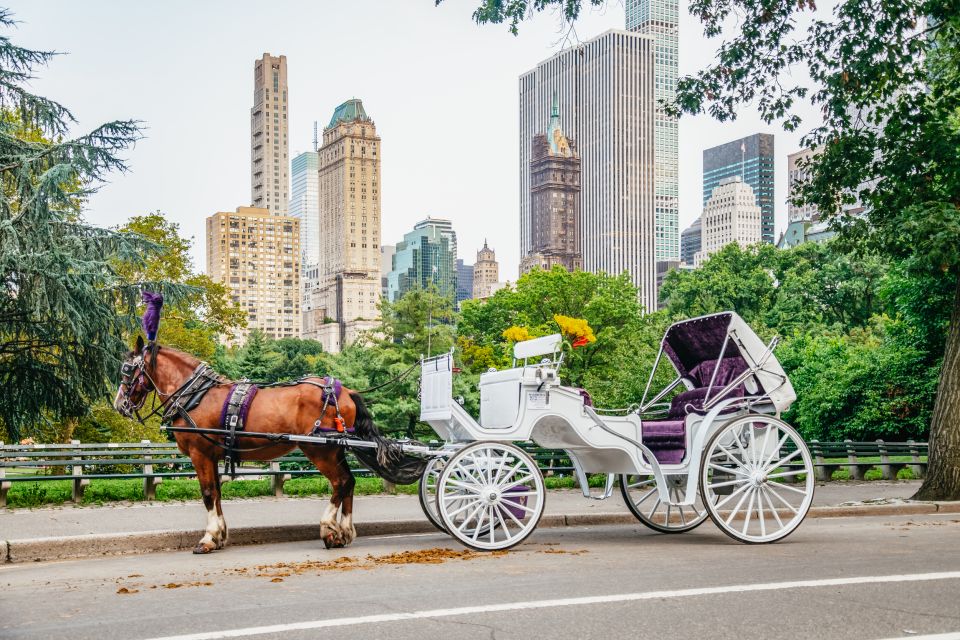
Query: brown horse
column 291, row 409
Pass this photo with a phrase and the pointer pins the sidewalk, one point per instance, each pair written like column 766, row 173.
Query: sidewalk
column 71, row 531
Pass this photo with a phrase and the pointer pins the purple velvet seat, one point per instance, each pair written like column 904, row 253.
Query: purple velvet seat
column 691, row 401
column 666, row 438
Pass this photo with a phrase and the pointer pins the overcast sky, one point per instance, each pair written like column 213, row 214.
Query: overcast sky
column 441, row 89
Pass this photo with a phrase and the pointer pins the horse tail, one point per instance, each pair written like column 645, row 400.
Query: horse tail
column 363, row 424
column 388, row 460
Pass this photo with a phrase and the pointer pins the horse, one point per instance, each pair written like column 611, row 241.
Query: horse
column 293, row 408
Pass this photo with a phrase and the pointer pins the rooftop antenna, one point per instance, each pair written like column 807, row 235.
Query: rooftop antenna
column 315, row 136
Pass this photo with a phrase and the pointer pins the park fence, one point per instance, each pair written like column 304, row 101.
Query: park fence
column 152, row 462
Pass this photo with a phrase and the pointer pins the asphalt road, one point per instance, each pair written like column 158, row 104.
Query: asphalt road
column 844, row 578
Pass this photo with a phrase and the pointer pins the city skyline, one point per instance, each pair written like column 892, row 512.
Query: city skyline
column 201, row 111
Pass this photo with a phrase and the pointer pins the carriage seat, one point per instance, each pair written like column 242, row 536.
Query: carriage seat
column 691, row 401
column 666, row 438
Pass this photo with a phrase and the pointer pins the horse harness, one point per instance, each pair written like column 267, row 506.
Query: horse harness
column 236, row 407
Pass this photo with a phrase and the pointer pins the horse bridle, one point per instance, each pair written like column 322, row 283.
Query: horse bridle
column 133, row 376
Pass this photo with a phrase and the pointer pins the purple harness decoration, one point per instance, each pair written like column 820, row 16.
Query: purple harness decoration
column 151, row 317
column 233, row 418
column 331, row 391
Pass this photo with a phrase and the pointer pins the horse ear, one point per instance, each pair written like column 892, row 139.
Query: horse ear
column 139, row 346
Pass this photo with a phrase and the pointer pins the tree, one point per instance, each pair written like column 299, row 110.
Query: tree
column 257, row 360
column 886, row 79
column 63, row 305
column 193, row 323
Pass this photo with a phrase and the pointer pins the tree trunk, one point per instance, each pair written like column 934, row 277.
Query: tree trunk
column 942, row 481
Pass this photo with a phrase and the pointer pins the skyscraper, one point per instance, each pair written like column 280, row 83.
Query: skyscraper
column 464, row 281
column 256, row 254
column 486, row 273
column 425, row 257
column 751, row 159
column 605, row 91
column 730, row 215
column 344, row 302
column 661, row 19
column 690, row 241
column 305, row 204
column 554, row 200
column 269, row 170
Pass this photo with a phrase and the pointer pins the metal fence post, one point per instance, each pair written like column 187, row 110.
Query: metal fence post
column 79, row 483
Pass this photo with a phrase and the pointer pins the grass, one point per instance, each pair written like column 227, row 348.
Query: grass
column 55, row 492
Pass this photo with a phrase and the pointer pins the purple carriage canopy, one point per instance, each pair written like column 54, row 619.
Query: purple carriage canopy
column 714, row 350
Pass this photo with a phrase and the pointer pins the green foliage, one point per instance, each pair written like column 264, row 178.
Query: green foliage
column 64, row 306
column 194, row 322
column 515, row 11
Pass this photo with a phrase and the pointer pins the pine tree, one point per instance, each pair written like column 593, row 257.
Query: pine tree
column 60, row 329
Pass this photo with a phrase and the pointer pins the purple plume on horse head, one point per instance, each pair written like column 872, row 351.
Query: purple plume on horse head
column 151, row 317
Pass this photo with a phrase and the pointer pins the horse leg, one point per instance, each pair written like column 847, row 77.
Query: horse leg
column 326, row 460
column 207, row 474
column 346, row 499
column 220, row 520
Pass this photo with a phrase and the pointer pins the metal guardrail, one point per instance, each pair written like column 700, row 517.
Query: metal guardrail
column 151, row 462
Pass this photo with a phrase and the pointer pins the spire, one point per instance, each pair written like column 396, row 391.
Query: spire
column 555, row 109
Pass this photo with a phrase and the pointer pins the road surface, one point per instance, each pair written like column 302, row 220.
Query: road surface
column 860, row 577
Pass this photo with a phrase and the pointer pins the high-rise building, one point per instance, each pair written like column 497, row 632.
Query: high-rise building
column 605, row 88
column 554, row 200
column 305, row 204
column 730, row 215
column 797, row 175
column 486, row 273
column 344, row 302
column 750, row 159
column 425, row 257
column 663, row 268
column 464, row 281
column 690, row 242
column 387, row 252
column 661, row 19
column 256, row 254
column 269, row 165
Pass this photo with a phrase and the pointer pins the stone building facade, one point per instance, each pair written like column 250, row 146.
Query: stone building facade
column 269, row 166
column 486, row 273
column 343, row 304
column 554, row 200
column 256, row 254
column 730, row 215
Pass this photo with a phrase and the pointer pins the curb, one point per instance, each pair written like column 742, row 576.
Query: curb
column 107, row 544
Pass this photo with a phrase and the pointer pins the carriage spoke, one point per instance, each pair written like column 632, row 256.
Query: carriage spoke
column 645, row 496
column 753, row 445
column 776, row 516
column 786, row 474
column 721, row 469
column 734, row 511
column 781, row 498
column 515, row 482
column 730, row 497
column 781, row 485
column 510, row 513
column 472, row 515
column 683, row 520
column 493, row 527
column 480, row 518
column 725, row 483
column 466, row 487
column 782, row 461
column 641, row 484
column 763, row 524
column 746, row 520
column 654, row 510
column 776, row 450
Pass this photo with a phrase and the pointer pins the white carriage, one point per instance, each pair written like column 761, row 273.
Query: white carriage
column 717, row 448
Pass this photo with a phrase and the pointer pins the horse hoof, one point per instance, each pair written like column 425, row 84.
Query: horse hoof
column 202, row 548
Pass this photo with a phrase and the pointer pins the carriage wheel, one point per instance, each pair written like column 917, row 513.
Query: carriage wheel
column 641, row 497
column 490, row 496
column 747, row 479
column 428, row 491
